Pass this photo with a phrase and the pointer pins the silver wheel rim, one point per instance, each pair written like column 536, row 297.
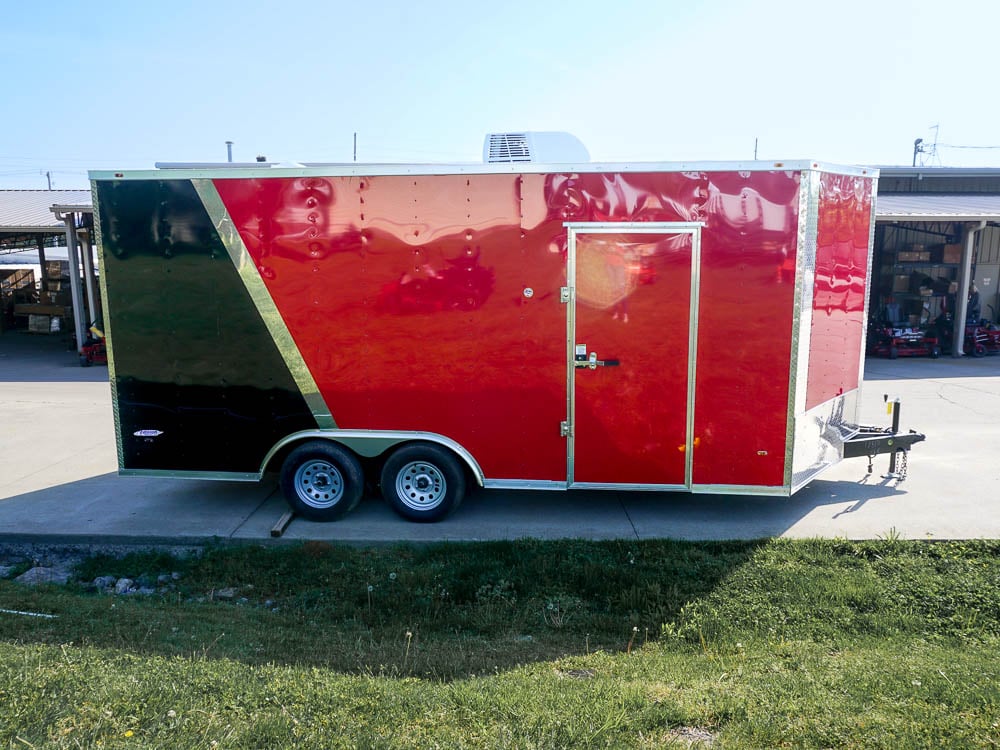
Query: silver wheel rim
column 319, row 484
column 420, row 485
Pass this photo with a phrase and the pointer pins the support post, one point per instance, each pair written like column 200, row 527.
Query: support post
column 962, row 295
column 43, row 275
column 88, row 275
column 74, row 277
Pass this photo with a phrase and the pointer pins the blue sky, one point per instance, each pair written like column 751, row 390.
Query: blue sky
column 121, row 85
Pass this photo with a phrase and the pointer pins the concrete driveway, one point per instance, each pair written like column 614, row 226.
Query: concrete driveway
column 58, row 481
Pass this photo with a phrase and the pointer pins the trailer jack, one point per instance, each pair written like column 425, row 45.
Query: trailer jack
column 872, row 441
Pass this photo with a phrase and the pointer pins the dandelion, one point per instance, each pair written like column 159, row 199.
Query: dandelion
column 392, row 576
column 171, row 714
column 129, row 733
column 406, row 655
column 635, row 632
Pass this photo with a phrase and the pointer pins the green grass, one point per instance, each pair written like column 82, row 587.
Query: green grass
column 528, row 644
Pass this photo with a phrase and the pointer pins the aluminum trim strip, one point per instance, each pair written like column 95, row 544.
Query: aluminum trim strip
column 805, row 281
column 219, row 476
column 393, row 437
column 740, row 489
column 523, row 484
column 625, row 486
column 108, row 339
column 263, row 302
column 376, row 170
column 634, row 227
column 693, row 313
column 868, row 300
column 570, row 351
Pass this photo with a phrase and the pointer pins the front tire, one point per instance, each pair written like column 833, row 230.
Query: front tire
column 423, row 482
column 322, row 481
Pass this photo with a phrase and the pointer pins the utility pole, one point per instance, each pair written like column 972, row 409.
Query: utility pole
column 355, row 147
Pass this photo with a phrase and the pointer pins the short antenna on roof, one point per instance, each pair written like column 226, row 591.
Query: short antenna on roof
column 229, row 151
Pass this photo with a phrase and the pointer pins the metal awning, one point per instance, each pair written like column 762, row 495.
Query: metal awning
column 937, row 207
column 24, row 211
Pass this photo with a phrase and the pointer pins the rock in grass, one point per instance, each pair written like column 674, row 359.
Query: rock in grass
column 102, row 583
column 40, row 575
column 5, row 570
column 125, row 586
column 227, row 593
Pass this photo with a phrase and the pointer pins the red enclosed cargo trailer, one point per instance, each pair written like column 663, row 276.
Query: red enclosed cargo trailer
column 690, row 327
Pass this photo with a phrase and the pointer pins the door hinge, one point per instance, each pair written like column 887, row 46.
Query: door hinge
column 564, row 429
column 564, row 295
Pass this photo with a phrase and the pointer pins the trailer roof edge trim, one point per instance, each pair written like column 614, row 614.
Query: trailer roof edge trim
column 377, row 170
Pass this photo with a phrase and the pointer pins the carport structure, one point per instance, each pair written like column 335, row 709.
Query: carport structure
column 40, row 219
column 950, row 206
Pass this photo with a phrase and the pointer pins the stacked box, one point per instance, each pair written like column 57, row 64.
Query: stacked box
column 39, row 323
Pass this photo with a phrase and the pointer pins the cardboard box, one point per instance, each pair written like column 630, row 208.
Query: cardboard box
column 55, row 269
column 951, row 254
column 901, row 282
column 39, row 323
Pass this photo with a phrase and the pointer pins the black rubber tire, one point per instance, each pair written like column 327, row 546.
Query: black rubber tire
column 935, row 352
column 85, row 361
column 322, row 481
column 979, row 350
column 893, row 352
column 423, row 482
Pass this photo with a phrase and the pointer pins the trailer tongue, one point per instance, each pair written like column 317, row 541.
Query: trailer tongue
column 425, row 328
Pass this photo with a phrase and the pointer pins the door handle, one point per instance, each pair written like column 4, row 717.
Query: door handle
column 592, row 362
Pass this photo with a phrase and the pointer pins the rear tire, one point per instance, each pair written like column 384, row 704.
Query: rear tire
column 322, row 481
column 423, row 482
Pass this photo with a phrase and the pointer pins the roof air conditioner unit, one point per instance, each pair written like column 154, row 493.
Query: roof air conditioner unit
column 542, row 147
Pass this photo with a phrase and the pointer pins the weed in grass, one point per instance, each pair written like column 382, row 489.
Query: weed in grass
column 558, row 611
column 406, row 653
column 631, row 640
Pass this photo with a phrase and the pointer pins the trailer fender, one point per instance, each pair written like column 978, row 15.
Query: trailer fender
column 372, row 443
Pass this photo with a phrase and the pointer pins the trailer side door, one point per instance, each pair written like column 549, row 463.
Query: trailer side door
column 631, row 354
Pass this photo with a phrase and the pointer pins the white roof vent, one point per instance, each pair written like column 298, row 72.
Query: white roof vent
column 543, row 147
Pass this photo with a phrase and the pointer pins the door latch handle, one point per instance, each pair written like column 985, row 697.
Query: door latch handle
column 592, row 362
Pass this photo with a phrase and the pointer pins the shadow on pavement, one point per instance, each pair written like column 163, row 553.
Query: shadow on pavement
column 35, row 358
